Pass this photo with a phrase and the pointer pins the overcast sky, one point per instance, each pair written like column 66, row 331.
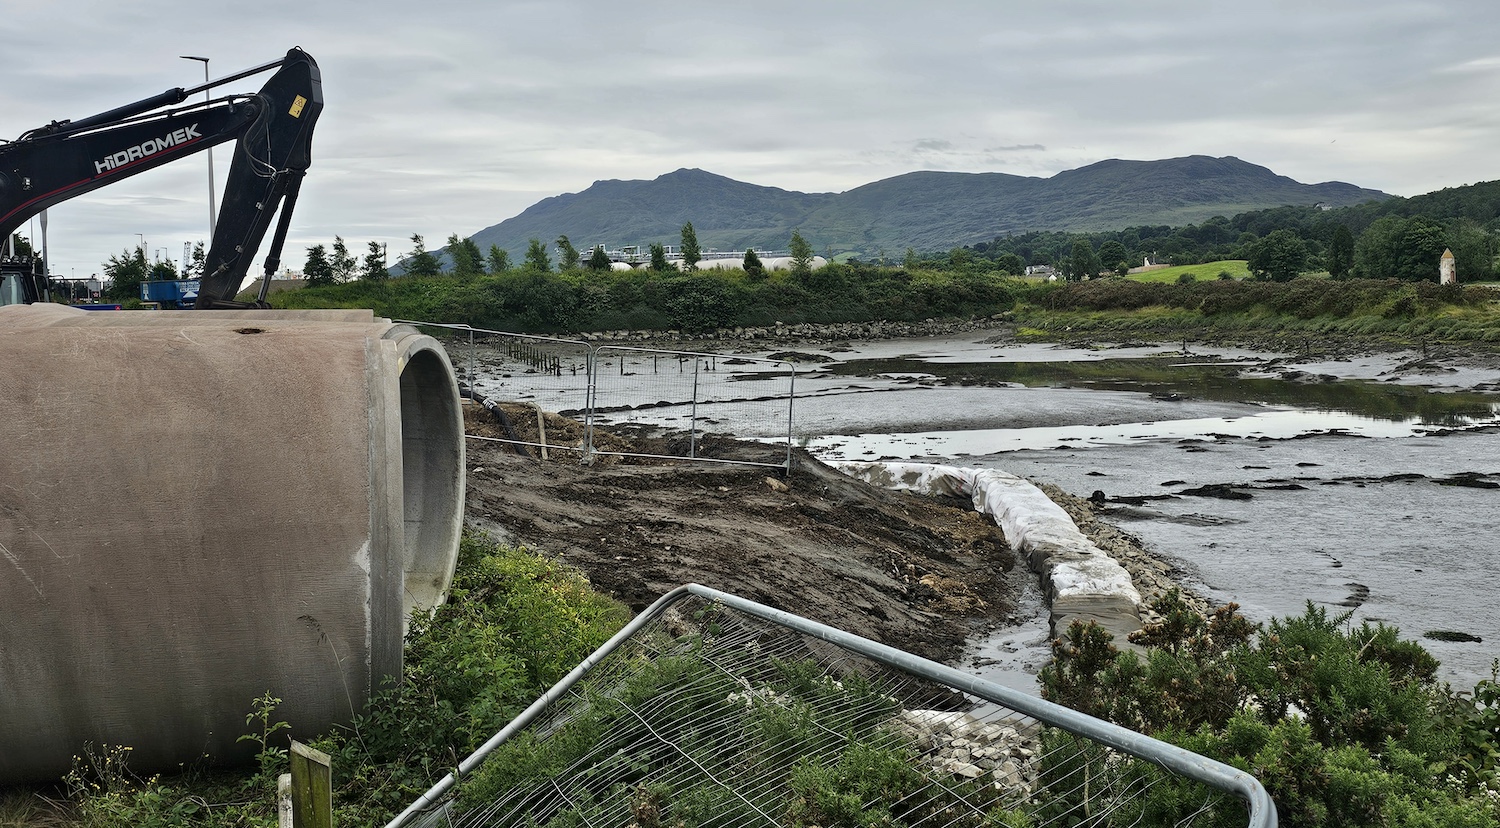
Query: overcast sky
column 446, row 117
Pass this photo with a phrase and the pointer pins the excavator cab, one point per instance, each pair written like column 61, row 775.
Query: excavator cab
column 20, row 280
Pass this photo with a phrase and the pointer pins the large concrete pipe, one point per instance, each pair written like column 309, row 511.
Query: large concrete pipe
column 198, row 507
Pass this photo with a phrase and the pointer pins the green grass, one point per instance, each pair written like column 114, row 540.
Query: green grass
column 515, row 622
column 1403, row 312
column 820, row 749
column 1238, row 268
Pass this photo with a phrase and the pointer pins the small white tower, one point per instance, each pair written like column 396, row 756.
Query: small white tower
column 1447, row 270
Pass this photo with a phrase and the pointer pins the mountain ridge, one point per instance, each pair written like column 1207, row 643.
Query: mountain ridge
column 928, row 210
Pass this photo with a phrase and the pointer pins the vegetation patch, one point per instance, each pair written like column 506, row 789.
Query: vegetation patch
column 1452, row 635
column 513, row 625
column 1207, row 271
column 1344, row 725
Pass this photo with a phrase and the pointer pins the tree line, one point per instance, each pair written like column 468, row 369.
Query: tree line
column 123, row 273
column 529, row 298
column 465, row 260
column 1399, row 238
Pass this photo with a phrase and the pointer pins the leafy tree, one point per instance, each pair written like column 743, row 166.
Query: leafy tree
column 372, row 266
column 1422, row 245
column 499, row 260
column 659, row 261
column 569, row 254
column 1422, row 242
column 753, row 267
column 124, row 273
column 1339, row 258
column 1114, row 257
column 1474, row 250
column 342, row 262
column 162, row 271
column 910, row 260
column 698, row 302
column 473, row 254
column 599, row 260
column 537, row 259
column 1280, row 256
column 194, row 267
column 1397, row 248
column 1378, row 249
column 318, row 270
column 420, row 262
column 691, row 254
column 467, row 260
column 802, row 254
column 1083, row 264
column 1011, row 263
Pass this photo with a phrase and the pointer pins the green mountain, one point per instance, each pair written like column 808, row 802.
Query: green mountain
column 929, row 211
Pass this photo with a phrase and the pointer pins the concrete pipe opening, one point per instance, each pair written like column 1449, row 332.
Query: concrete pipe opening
column 202, row 507
column 432, row 442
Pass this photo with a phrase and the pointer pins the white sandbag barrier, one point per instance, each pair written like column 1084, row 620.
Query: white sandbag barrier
column 1082, row 583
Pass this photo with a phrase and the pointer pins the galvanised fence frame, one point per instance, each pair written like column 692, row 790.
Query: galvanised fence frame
column 1100, row 775
column 536, row 351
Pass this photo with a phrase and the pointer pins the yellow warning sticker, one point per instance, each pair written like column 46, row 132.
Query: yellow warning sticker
column 296, row 110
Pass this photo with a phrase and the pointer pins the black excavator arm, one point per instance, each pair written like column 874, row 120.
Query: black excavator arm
column 273, row 133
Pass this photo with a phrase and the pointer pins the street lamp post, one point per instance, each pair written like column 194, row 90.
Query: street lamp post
column 212, row 219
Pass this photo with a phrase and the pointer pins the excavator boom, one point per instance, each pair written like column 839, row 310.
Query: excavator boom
column 273, row 134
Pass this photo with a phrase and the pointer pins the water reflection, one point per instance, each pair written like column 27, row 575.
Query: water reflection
column 1221, row 382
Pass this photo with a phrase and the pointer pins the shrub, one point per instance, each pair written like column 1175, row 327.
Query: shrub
column 1345, row 726
column 513, row 624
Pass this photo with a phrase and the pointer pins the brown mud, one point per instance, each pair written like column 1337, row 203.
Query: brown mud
column 911, row 572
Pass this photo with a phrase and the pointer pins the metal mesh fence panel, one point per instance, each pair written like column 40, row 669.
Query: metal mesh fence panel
column 667, row 404
column 680, row 403
column 547, row 373
column 706, row 714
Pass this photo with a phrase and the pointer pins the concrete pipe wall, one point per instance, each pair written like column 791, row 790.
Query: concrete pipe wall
column 199, row 507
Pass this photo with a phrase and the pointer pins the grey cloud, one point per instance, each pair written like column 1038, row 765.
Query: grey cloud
column 464, row 114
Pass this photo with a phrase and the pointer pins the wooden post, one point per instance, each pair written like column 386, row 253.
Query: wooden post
column 284, row 801
column 541, row 429
column 312, row 787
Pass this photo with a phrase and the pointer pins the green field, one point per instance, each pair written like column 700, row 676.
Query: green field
column 1238, row 268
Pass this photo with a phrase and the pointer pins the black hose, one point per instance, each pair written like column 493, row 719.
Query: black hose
column 465, row 390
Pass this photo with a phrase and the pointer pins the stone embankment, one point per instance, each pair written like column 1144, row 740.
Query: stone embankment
column 808, row 332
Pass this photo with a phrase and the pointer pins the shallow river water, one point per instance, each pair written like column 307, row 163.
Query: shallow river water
column 1368, row 485
column 1365, row 485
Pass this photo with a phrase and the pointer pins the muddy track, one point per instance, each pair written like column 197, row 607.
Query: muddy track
column 911, row 572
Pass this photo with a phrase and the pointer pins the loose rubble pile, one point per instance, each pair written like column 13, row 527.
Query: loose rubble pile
column 966, row 746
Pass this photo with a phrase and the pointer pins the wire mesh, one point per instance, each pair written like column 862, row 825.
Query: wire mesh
column 708, row 716
column 691, row 399
column 550, row 373
column 669, row 404
column 546, row 371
